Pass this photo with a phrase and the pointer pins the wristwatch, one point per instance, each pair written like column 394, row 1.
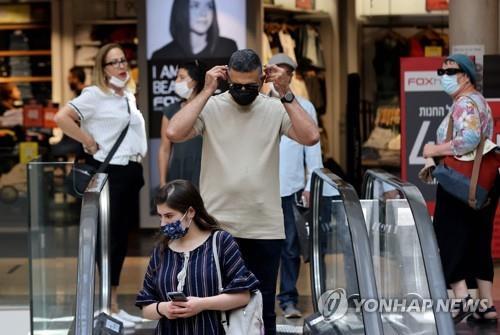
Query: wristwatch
column 288, row 97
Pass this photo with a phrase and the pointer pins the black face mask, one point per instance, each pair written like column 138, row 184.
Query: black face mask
column 244, row 94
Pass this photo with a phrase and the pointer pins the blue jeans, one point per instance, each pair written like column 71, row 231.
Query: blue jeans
column 290, row 256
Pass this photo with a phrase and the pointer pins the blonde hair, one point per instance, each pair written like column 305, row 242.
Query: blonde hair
column 99, row 76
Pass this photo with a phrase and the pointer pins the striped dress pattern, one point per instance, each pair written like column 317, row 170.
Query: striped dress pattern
column 200, row 281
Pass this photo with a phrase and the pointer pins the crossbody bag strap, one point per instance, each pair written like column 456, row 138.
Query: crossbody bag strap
column 449, row 131
column 476, row 167
column 119, row 141
column 475, row 173
column 219, row 277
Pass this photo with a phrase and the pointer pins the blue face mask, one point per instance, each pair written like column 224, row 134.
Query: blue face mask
column 450, row 84
column 174, row 230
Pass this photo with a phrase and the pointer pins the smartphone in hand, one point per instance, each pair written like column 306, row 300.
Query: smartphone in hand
column 176, row 296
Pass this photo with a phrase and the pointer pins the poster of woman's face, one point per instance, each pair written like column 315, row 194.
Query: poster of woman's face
column 182, row 30
column 195, row 28
column 179, row 31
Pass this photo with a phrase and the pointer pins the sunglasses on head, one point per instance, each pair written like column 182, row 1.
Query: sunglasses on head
column 449, row 72
column 245, row 87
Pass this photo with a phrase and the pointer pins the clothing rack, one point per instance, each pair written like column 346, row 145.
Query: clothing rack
column 290, row 15
column 403, row 25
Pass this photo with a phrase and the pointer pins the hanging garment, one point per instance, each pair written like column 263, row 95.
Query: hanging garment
column 426, row 38
column 299, row 88
column 288, row 44
column 311, row 50
column 388, row 50
column 300, row 39
column 315, row 91
column 267, row 53
column 274, row 42
column 319, row 52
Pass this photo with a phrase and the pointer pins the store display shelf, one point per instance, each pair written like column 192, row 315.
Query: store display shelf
column 99, row 43
column 24, row 79
column 85, row 64
column 88, row 43
column 107, row 22
column 23, row 26
column 310, row 13
column 404, row 21
column 14, row 53
column 34, row 1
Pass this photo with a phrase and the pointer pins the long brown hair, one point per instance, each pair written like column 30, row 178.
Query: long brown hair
column 180, row 195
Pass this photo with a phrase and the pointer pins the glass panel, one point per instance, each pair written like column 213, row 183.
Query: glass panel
column 14, row 269
column 54, row 230
column 398, row 262
column 337, row 259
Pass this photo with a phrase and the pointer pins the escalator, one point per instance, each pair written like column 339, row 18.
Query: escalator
column 341, row 263
column 400, row 230
column 58, row 306
column 371, row 249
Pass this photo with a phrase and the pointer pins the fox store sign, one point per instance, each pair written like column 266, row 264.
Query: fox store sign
column 424, row 104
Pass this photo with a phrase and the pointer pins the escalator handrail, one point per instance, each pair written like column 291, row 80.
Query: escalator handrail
column 89, row 223
column 426, row 237
column 360, row 243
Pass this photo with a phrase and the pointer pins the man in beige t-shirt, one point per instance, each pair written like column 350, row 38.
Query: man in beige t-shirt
column 239, row 178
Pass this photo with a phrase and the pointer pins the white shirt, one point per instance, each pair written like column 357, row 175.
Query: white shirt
column 293, row 155
column 104, row 116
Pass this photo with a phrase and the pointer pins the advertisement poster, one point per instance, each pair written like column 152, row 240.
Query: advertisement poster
column 181, row 31
column 424, row 104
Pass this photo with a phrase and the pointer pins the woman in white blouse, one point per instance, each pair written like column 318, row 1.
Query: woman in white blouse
column 104, row 110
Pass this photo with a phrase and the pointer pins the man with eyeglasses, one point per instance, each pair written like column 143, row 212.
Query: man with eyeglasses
column 239, row 178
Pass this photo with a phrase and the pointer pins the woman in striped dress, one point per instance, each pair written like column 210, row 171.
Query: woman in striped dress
column 183, row 262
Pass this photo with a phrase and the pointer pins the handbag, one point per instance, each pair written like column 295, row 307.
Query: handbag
column 303, row 217
column 244, row 320
column 425, row 174
column 81, row 173
column 470, row 180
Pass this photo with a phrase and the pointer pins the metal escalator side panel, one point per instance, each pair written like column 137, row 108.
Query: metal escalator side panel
column 356, row 228
column 427, row 242
column 95, row 207
column 86, row 269
column 431, row 258
column 105, row 270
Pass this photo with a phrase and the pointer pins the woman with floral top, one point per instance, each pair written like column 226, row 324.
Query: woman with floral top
column 464, row 234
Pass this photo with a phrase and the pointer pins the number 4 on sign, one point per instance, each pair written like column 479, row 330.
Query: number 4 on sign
column 415, row 159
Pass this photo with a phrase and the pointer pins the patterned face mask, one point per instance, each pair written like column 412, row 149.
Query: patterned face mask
column 175, row 230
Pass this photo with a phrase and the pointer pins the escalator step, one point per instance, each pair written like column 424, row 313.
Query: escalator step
column 288, row 329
